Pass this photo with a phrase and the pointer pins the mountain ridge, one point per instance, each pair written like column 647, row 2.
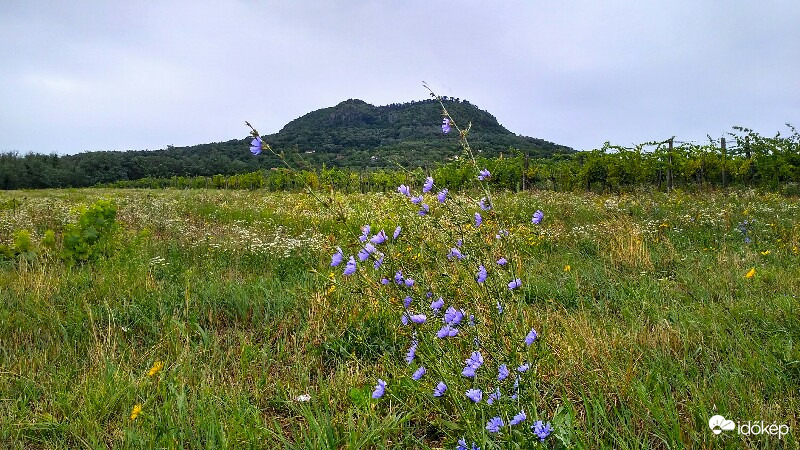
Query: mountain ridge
column 352, row 134
column 389, row 132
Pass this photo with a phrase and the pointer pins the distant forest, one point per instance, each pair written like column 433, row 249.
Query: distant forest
column 743, row 160
column 356, row 146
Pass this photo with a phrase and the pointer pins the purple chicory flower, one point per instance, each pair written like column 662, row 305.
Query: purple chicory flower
column 541, row 430
column 475, row 395
column 364, row 233
column 367, row 250
column 476, row 359
column 378, row 263
column 514, row 284
column 459, row 242
column 408, row 282
column 424, row 210
column 437, row 304
column 407, row 301
column 503, row 372
column 379, row 238
column 404, row 318
column 517, row 419
column 532, row 335
column 499, row 307
column 481, row 275
column 419, row 318
column 446, row 331
column 453, row 316
column 429, row 294
column 494, row 396
column 385, row 281
column 478, row 220
column 445, row 125
column 416, row 200
column 337, row 257
column 255, row 146
column 442, row 195
column 484, row 174
column 440, row 388
column 473, row 363
column 418, row 374
column 398, row 277
column 412, row 352
column 462, row 445
column 484, row 204
column 502, row 262
column 537, row 217
column 494, row 424
column 350, row 267
column 380, row 389
column 396, row 232
column 455, row 253
column 523, row 368
column 405, row 190
column 428, row 185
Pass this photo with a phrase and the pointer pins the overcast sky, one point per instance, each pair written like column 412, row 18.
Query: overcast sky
column 113, row 75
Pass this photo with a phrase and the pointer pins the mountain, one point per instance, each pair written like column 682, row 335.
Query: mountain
column 355, row 133
column 351, row 134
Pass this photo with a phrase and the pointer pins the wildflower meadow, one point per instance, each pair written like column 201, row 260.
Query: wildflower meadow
column 417, row 318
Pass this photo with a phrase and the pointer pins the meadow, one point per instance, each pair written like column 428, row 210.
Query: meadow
column 213, row 319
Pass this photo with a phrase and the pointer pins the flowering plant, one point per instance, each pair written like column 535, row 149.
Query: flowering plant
column 457, row 292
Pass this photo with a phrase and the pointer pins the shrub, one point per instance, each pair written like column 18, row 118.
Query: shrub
column 92, row 235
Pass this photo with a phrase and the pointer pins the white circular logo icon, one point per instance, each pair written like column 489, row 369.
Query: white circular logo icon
column 718, row 424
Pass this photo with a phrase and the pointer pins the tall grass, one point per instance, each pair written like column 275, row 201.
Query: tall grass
column 653, row 330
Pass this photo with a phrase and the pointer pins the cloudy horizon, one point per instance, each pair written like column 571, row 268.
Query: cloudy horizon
column 144, row 75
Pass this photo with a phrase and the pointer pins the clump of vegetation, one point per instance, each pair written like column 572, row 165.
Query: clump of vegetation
column 92, row 234
column 89, row 237
column 21, row 247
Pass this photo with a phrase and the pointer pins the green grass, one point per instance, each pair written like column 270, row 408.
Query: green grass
column 653, row 330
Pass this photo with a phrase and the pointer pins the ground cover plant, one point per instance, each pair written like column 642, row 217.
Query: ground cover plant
column 647, row 322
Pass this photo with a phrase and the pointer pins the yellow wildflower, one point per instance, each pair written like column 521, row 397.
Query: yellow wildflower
column 136, row 410
column 567, row 268
column 331, row 289
column 158, row 365
column 765, row 252
column 751, row 273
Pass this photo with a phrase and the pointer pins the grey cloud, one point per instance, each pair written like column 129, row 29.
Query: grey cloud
column 131, row 75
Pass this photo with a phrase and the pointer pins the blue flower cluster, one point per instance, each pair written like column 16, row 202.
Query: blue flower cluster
column 495, row 390
column 743, row 228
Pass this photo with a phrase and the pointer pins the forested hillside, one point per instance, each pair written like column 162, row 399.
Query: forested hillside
column 352, row 134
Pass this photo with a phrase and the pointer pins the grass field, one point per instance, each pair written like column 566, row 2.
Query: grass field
column 647, row 323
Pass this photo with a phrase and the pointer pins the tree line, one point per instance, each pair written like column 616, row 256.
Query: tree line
column 744, row 159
